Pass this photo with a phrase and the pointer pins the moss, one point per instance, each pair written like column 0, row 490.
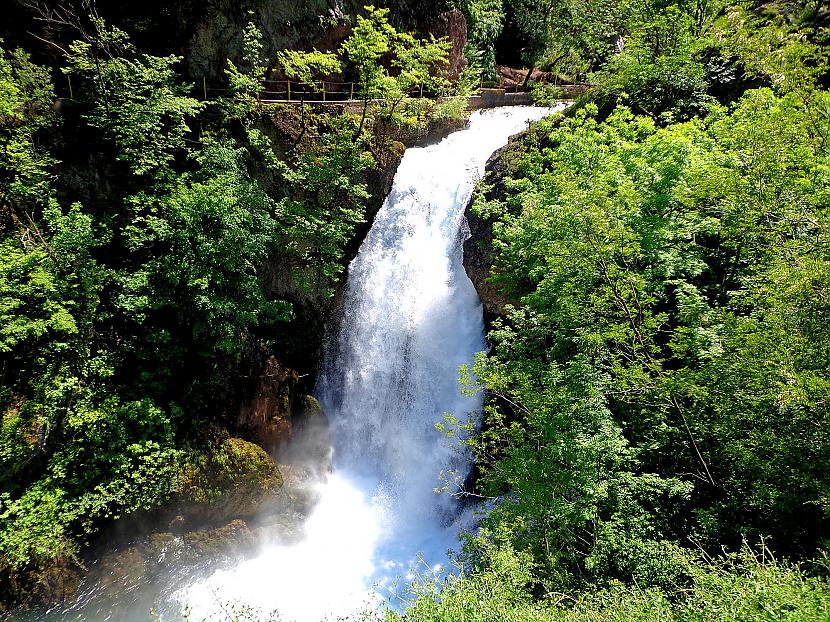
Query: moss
column 232, row 464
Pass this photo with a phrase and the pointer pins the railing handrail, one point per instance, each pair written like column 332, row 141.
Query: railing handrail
column 296, row 91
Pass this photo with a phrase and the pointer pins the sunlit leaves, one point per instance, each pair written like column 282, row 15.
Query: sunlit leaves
column 140, row 106
column 306, row 66
column 670, row 355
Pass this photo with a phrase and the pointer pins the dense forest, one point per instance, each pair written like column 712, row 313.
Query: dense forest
column 655, row 440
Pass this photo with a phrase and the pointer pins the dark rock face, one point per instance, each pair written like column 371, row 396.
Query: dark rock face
column 217, row 34
column 478, row 264
column 265, row 418
column 452, row 25
column 478, row 248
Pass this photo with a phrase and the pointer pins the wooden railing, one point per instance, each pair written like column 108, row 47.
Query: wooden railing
column 327, row 91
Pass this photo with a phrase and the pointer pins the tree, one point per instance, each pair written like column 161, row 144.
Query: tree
column 137, row 101
column 369, row 41
column 418, row 62
column 26, row 96
column 305, row 67
column 247, row 81
column 566, row 35
column 485, row 20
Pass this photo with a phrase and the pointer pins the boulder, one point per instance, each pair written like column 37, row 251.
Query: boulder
column 235, row 479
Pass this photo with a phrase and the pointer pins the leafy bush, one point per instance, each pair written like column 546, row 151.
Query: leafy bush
column 666, row 373
column 748, row 587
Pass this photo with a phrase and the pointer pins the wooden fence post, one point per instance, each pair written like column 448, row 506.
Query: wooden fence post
column 351, row 94
column 204, row 87
column 324, row 90
column 69, row 80
column 288, row 82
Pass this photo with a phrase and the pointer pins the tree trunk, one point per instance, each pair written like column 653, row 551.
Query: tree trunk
column 363, row 115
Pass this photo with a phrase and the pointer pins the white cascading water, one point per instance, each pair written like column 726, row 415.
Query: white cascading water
column 411, row 317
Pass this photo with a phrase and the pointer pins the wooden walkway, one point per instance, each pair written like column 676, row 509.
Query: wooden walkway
column 343, row 94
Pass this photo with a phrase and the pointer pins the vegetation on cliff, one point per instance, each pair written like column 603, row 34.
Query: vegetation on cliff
column 140, row 230
column 655, row 441
column 656, row 429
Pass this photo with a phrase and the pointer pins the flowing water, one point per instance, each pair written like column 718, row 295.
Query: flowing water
column 410, row 318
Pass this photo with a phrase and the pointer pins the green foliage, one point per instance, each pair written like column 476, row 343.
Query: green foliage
column 791, row 59
column 485, row 21
column 493, row 586
column 569, row 36
column 137, row 103
column 26, row 96
column 370, row 40
column 546, row 94
column 247, row 81
column 201, row 247
column 659, row 70
column 667, row 370
column 125, row 321
column 48, row 289
column 305, row 66
column 748, row 587
column 416, row 63
column 115, row 459
column 329, row 203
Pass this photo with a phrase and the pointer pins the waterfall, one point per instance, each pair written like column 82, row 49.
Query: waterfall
column 410, row 318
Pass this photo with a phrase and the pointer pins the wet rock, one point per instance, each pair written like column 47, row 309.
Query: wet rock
column 310, row 446
column 161, row 557
column 265, row 418
column 478, row 263
column 39, row 584
column 301, row 491
column 234, row 480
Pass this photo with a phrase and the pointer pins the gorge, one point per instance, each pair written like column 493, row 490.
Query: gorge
column 272, row 334
column 410, row 319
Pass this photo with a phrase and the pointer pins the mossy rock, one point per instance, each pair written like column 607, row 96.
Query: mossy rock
column 234, row 479
column 44, row 583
